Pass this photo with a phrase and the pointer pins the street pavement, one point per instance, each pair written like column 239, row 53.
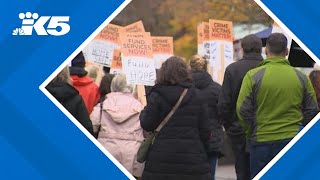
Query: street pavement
column 225, row 172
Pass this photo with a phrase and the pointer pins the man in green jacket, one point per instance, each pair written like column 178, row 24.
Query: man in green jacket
column 275, row 100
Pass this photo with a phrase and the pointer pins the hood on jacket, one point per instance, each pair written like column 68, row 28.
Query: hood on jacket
column 171, row 93
column 121, row 106
column 77, row 71
column 62, row 91
column 81, row 81
column 201, row 79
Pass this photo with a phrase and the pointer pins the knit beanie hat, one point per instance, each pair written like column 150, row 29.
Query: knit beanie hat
column 78, row 61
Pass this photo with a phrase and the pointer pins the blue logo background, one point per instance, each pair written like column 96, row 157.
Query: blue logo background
column 37, row 141
column 302, row 160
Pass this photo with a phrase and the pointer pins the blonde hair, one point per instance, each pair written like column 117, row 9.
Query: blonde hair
column 198, row 62
column 63, row 76
column 119, row 84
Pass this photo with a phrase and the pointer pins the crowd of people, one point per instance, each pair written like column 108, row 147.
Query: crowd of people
column 262, row 104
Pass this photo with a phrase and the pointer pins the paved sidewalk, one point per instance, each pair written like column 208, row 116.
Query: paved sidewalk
column 225, row 172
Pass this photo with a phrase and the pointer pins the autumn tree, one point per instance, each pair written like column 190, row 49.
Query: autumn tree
column 179, row 18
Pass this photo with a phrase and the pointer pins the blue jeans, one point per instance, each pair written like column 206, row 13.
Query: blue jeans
column 213, row 160
column 241, row 156
column 261, row 154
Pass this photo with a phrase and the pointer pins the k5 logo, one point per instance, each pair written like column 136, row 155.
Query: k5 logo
column 57, row 26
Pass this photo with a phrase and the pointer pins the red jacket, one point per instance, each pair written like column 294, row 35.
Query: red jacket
column 88, row 89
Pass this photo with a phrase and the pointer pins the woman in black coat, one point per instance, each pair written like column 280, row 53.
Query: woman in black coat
column 69, row 97
column 178, row 151
column 209, row 92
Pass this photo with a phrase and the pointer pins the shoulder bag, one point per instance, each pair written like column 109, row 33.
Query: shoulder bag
column 146, row 144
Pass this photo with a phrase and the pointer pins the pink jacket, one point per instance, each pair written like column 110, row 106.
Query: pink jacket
column 120, row 131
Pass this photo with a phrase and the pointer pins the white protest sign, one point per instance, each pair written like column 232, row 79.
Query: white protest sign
column 100, row 50
column 137, row 59
column 206, row 41
column 221, row 47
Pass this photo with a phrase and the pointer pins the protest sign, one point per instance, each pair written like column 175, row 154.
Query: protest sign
column 135, row 27
column 206, row 41
column 85, row 51
column 200, row 39
column 162, row 48
column 100, row 50
column 221, row 47
column 137, row 59
column 116, row 65
column 141, row 94
column 220, row 30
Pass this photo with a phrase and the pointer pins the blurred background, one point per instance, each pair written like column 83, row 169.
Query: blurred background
column 179, row 19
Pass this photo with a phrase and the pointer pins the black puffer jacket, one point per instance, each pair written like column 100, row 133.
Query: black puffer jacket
column 209, row 92
column 233, row 77
column 69, row 97
column 178, row 152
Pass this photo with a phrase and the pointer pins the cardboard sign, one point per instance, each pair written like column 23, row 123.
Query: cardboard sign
column 85, row 52
column 136, row 44
column 162, row 48
column 141, row 93
column 135, row 27
column 137, row 59
column 100, row 50
column 200, row 39
column 206, row 41
column 206, row 36
column 220, row 30
column 275, row 24
column 116, row 65
column 110, row 33
column 221, row 47
column 200, row 33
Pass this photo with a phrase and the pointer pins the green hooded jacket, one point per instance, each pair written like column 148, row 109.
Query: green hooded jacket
column 274, row 101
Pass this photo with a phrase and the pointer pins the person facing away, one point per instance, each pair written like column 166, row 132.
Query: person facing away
column 117, row 124
column 83, row 83
column 178, row 150
column 315, row 80
column 251, row 47
column 92, row 72
column 104, row 87
column 60, row 87
column 274, row 101
column 209, row 92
